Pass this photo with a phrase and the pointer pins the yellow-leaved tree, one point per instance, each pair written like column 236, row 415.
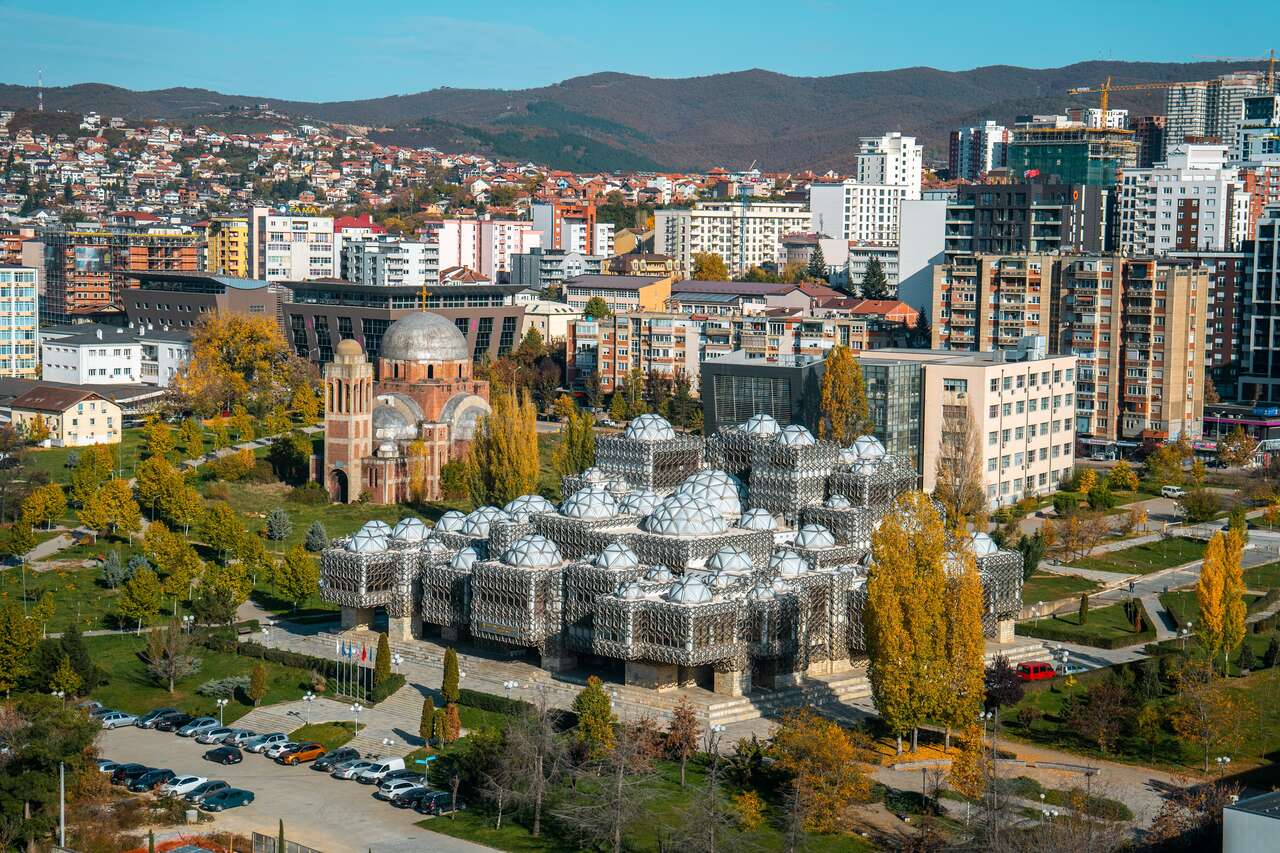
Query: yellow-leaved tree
column 1233, row 606
column 418, row 463
column 239, row 359
column 1210, row 627
column 502, row 463
column 843, row 401
column 961, row 699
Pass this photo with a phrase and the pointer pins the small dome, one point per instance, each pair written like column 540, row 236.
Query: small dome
column 686, row 515
column 376, row 526
column 758, row 519
column 526, row 505
column 719, row 581
column 590, row 504
column 838, row 502
column 390, row 424
column 595, row 475
column 690, row 589
column 795, row 435
column 640, row 502
column 348, row 346
column 767, row 590
column 423, row 337
column 761, row 425
column 787, row 563
column 532, row 552
column 464, row 560
column 866, row 467
column 848, row 456
column 479, row 521
column 868, row 447
column 731, row 559
column 814, row 536
column 616, row 555
column 719, row 488
column 649, row 428
column 410, row 530
column 658, row 574
column 451, row 522
column 436, row 548
column 983, row 545
column 366, row 542
column 630, row 590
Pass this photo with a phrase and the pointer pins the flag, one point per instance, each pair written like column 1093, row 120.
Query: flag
column 1031, row 173
column 364, row 653
column 337, row 646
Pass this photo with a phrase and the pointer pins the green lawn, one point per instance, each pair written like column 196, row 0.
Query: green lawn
column 131, row 688
column 1146, row 558
column 1265, row 576
column 329, row 735
column 79, row 596
column 1106, row 627
column 1047, row 586
column 1183, row 606
column 53, row 460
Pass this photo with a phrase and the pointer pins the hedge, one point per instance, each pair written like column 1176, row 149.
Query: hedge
column 506, row 706
column 1049, row 629
column 224, row 640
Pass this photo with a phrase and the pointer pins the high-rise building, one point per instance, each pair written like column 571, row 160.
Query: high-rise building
column 868, row 208
column 743, row 236
column 483, row 245
column 1257, row 139
column 1229, row 276
column 1033, row 217
column 1149, row 131
column 976, row 150
column 285, row 247
column 1193, row 201
column 20, row 329
column 227, row 252
column 1206, row 109
column 891, row 160
column 572, row 226
column 987, row 302
column 390, row 262
column 1071, row 152
column 1260, row 364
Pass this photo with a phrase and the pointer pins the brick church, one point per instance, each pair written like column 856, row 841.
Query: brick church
column 421, row 389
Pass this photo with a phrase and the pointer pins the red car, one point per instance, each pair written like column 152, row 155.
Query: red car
column 1035, row 670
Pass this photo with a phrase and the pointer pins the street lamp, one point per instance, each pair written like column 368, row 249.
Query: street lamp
column 355, row 712
column 61, row 694
column 222, row 703
column 396, row 660
column 186, row 622
column 308, row 697
column 1223, row 761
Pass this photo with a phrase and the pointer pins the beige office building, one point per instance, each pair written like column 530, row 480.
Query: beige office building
column 985, row 302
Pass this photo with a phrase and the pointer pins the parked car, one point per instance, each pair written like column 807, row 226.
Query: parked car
column 398, row 786
column 100, row 712
column 116, row 719
column 198, row 793
column 394, row 775
column 276, row 750
column 379, row 768
column 260, row 743
column 89, row 705
column 1035, row 670
column 149, row 719
column 224, row 755
column 438, row 803
column 151, row 779
column 227, row 798
column 1071, row 669
column 1173, row 492
column 409, row 799
column 126, row 773
column 179, row 785
column 214, row 735
column 198, row 725
column 172, row 722
column 105, row 766
column 239, row 736
column 334, row 757
column 349, row 769
column 303, row 752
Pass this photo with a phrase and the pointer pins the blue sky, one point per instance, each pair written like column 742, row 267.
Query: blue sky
column 324, row 50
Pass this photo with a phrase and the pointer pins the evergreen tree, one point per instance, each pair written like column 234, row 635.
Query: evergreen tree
column 817, row 264
column 845, row 412
column 1084, row 609
column 427, row 720
column 73, row 647
column 594, row 732
column 279, row 525
column 114, row 571
column 596, row 308
column 382, row 661
column 257, row 683
column 449, row 684
column 317, row 538
column 1272, row 655
column 874, row 283
column 922, row 334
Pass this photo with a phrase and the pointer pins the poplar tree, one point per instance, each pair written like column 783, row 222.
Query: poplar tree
column 845, row 413
column 503, row 462
column 449, row 684
column 1210, row 627
column 961, row 699
column 1234, row 611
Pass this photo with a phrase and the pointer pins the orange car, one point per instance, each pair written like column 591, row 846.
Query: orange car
column 302, row 752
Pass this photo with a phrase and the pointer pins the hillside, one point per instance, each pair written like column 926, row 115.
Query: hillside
column 621, row 121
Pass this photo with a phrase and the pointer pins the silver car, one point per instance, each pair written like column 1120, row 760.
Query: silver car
column 116, row 719
column 239, row 737
column 261, row 743
column 198, row 726
column 275, row 749
column 351, row 769
column 213, row 735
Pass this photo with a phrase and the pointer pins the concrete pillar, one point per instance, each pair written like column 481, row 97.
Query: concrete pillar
column 1004, row 631
column 654, row 676
column 399, row 628
column 357, row 618
column 733, row 683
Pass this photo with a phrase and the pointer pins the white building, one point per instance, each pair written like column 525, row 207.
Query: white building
column 743, row 240
column 867, row 210
column 483, row 245
column 1257, row 140
column 1209, row 107
column 893, row 160
column 921, row 245
column 391, row 262
column 284, row 247
column 551, row 319
column 91, row 354
column 977, row 150
column 1193, row 201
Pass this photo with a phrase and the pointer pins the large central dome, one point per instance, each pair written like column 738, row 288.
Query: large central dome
column 423, row 337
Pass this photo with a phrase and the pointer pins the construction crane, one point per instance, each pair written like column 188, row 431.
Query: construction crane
column 1107, row 88
column 1270, row 59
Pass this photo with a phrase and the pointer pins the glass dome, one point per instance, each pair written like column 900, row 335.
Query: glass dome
column 658, row 574
column 479, row 520
column 690, row 589
column 630, row 590
column 866, row 467
column 437, row 548
column 649, row 428
column 616, row 555
column 731, row 559
column 366, row 542
column 464, row 560
column 721, row 489
column 814, row 536
column 787, row 563
column 795, row 435
column 590, row 504
column 533, row 552
column 451, row 522
column 410, row 530
column 761, row 425
column 983, row 545
column 686, row 515
column 526, row 505
column 848, row 456
column 595, row 475
column 838, row 502
column 376, row 526
column 868, row 447
column 758, row 519
column 767, row 590
column 641, row 502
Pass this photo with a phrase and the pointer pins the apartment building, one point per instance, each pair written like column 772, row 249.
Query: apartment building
column 1260, row 361
column 1041, row 218
column 394, row 262
column 1192, row 201
column 1071, row 152
column 651, row 342
column 572, row 226
column 891, row 160
column 974, row 151
column 1209, row 108
column 1257, row 138
column 90, row 354
column 1149, row 131
column 622, row 293
column 543, row 268
column 285, row 247
column 987, row 302
column 743, row 237
column 74, row 417
column 19, row 321
column 227, row 250
column 487, row 246
column 1230, row 274
column 11, row 239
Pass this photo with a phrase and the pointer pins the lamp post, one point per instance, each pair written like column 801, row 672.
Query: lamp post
column 187, row 621
column 396, row 660
column 61, row 694
column 222, row 703
column 1223, row 762
column 308, row 697
column 355, row 713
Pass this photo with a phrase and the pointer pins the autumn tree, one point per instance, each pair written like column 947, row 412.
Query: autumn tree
column 239, row 359
column 65, row 679
column 682, row 734
column 1233, row 590
column 903, row 619
column 824, row 766
column 19, row 635
column 958, row 471
column 222, row 529
column 19, row 540
column 1165, row 465
column 960, row 698
column 418, row 470
column 257, row 683
column 967, row 773
column 157, row 438
column 94, row 466
column 843, row 403
column 609, row 797
column 38, row 430
column 112, row 509
column 168, row 655
column 191, row 436
column 576, row 451
column 1211, row 588
column 305, row 404
column 140, row 597
column 708, row 266
column 1122, row 477
column 502, row 463
column 1079, row 533
column 535, row 759
column 297, row 577
column 1208, row 714
column 156, row 479
column 44, row 505
column 1100, row 713
column 594, row 733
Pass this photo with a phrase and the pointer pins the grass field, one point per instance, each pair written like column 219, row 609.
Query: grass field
column 130, row 688
column 1265, row 576
column 79, row 596
column 1146, row 558
column 1184, row 608
column 329, row 735
column 1106, row 627
column 1047, row 586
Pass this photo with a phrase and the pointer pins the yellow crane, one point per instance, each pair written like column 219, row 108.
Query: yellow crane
column 1108, row 87
column 1270, row 59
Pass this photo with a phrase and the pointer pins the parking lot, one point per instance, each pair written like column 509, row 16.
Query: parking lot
column 330, row 815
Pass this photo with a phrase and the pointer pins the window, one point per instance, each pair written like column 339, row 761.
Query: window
column 991, row 464
column 959, row 386
column 992, row 438
column 484, row 335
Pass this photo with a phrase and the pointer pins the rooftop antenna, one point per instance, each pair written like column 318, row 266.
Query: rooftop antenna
column 40, row 90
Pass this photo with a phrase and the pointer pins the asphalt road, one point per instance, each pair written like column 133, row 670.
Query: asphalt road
column 321, row 812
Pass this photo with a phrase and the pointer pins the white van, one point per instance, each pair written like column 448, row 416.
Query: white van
column 1173, row 491
column 381, row 767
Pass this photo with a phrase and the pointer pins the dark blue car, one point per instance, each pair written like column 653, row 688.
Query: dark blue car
column 227, row 798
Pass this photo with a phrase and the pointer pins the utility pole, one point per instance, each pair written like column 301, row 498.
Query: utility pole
column 62, row 804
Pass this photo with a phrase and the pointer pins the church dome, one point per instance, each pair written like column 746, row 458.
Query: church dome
column 348, row 346
column 389, row 423
column 424, row 337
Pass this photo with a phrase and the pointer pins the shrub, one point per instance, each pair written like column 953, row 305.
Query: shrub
column 1065, row 504
column 317, row 538
column 1272, row 655
column 234, row 467
column 1248, row 660
column 218, row 491
column 381, row 691
column 1100, row 498
column 1200, row 505
column 261, row 472
column 224, row 688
